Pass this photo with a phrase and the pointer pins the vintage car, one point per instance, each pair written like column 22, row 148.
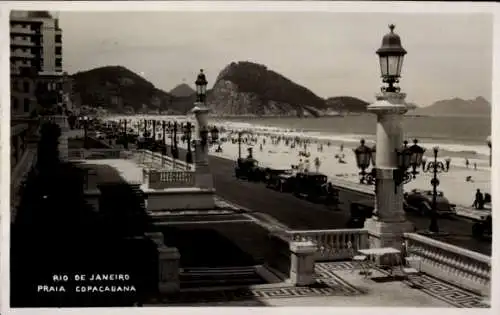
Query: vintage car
column 420, row 201
column 483, row 227
column 360, row 211
column 313, row 187
column 248, row 168
column 278, row 179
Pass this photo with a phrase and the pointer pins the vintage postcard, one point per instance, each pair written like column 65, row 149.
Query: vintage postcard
column 248, row 155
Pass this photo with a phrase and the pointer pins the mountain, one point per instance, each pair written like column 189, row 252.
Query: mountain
column 456, row 107
column 117, row 89
column 346, row 104
column 182, row 90
column 247, row 88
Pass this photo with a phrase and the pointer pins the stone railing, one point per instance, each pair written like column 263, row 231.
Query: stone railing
column 93, row 154
column 332, row 244
column 168, row 179
column 465, row 268
column 60, row 120
column 157, row 160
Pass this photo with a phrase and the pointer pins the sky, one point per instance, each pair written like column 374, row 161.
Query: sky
column 332, row 54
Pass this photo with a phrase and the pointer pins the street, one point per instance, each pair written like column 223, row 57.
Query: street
column 300, row 214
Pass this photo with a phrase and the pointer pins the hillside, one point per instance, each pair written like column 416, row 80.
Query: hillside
column 456, row 107
column 246, row 88
column 346, row 104
column 182, row 90
column 118, row 89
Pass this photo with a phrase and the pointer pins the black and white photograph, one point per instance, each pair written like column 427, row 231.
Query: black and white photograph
column 250, row 158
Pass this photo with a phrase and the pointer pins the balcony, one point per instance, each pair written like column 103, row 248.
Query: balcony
column 21, row 30
column 21, row 42
column 21, row 54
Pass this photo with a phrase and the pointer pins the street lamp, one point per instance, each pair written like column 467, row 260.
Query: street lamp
column 125, row 138
column 154, row 130
column 175, row 149
column 391, row 55
column 145, row 128
column 365, row 155
column 436, row 167
column 201, row 87
column 488, row 142
column 188, row 128
column 239, row 144
column 214, row 133
column 84, row 121
column 405, row 156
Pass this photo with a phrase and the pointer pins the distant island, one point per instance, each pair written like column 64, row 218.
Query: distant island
column 241, row 89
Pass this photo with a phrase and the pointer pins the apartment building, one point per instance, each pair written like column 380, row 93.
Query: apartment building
column 35, row 61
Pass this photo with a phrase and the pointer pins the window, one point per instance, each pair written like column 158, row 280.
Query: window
column 58, row 50
column 26, row 86
column 58, row 38
column 15, row 104
column 27, row 105
column 58, row 62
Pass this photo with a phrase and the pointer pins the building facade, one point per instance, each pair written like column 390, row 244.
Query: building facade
column 35, row 61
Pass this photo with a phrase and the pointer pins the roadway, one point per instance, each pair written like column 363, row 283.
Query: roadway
column 298, row 214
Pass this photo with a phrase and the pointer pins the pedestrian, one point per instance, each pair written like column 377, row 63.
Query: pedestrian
column 466, row 162
column 475, row 166
column 307, row 166
column 478, row 200
column 317, row 164
column 300, row 166
column 341, row 147
column 448, row 162
column 424, row 162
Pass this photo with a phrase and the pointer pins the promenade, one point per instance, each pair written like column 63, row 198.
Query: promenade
column 453, row 183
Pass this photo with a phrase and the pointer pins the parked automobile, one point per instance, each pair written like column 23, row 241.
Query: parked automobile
column 483, row 227
column 277, row 179
column 420, row 201
column 313, row 187
column 248, row 168
column 360, row 210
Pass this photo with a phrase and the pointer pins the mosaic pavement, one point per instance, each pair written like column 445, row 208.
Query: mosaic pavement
column 439, row 289
column 327, row 284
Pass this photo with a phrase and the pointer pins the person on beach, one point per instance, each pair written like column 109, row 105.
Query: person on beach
column 478, row 200
column 317, row 164
column 466, row 162
column 307, row 166
column 475, row 166
column 300, row 166
column 341, row 147
column 448, row 162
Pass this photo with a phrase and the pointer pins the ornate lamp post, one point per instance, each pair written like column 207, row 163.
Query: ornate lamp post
column 154, row 130
column 203, row 175
column 239, row 144
column 188, row 128
column 175, row 149
column 145, row 128
column 392, row 161
column 488, row 142
column 84, row 121
column 214, row 134
column 436, row 167
column 364, row 155
column 125, row 137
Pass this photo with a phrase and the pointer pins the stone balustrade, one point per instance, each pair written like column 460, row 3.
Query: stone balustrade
column 94, row 154
column 168, row 179
column 332, row 244
column 157, row 160
column 465, row 268
column 60, row 120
